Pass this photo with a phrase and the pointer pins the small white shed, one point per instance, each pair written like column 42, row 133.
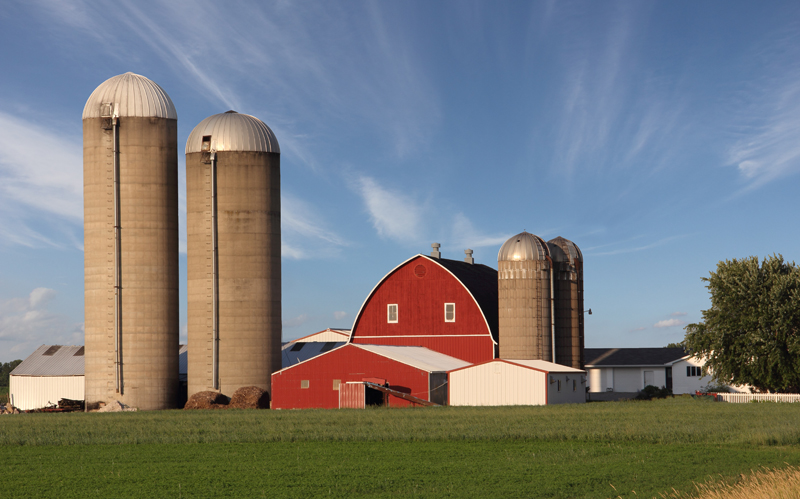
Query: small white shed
column 50, row 373
column 516, row 382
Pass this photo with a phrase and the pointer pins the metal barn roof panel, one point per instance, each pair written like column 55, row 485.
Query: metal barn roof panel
column 543, row 365
column 135, row 96
column 293, row 353
column 419, row 357
column 231, row 131
column 52, row 360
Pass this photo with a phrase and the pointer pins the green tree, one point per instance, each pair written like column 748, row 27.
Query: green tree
column 751, row 333
column 5, row 370
column 674, row 345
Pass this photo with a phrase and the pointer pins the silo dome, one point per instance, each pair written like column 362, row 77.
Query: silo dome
column 523, row 247
column 564, row 250
column 135, row 96
column 231, row 131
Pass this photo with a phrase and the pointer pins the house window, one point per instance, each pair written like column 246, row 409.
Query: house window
column 336, row 384
column 304, row 383
column 391, row 313
column 694, row 371
column 449, row 312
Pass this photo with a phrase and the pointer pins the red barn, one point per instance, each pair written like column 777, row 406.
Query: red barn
column 315, row 383
column 448, row 306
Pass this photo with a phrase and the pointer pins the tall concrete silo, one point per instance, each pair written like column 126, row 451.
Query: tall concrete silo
column 568, row 301
column 233, row 205
column 130, row 187
column 524, row 291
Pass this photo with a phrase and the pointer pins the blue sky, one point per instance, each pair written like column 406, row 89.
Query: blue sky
column 661, row 137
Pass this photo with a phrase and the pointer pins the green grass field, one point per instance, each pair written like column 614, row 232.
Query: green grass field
column 630, row 449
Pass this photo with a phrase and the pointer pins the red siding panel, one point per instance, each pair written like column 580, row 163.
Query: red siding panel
column 420, row 302
column 348, row 363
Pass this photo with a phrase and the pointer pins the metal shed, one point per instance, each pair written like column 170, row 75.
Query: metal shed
column 517, row 382
column 50, row 373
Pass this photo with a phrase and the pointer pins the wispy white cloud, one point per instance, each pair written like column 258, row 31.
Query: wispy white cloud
column 26, row 323
column 296, row 321
column 766, row 113
column 635, row 249
column 678, row 314
column 669, row 323
column 41, row 182
column 339, row 315
column 465, row 234
column 394, row 215
column 303, row 234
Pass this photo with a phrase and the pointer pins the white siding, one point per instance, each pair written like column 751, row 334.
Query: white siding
column 501, row 383
column 35, row 392
column 624, row 379
column 681, row 383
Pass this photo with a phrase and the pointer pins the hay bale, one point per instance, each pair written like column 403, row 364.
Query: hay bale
column 250, row 397
column 207, row 400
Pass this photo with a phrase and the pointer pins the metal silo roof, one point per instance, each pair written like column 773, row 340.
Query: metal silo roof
column 523, row 246
column 135, row 96
column 564, row 250
column 232, row 131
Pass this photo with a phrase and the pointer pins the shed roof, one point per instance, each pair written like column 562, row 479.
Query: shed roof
column 330, row 334
column 631, row 357
column 52, row 360
column 420, row 357
column 539, row 365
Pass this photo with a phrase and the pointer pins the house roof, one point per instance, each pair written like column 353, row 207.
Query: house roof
column 481, row 281
column 422, row 358
column 631, row 357
column 52, row 360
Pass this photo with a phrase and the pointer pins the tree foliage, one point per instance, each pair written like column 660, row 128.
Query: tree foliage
column 5, row 370
column 751, row 333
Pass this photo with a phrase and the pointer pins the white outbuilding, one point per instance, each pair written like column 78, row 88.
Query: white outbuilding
column 516, row 382
column 50, row 373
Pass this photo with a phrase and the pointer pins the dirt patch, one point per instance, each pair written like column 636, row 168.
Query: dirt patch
column 207, row 400
column 250, row 397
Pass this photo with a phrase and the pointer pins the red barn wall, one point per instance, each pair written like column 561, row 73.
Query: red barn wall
column 348, row 363
column 421, row 322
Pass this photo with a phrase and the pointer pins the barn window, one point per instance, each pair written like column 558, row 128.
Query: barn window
column 391, row 312
column 303, row 383
column 449, row 312
column 336, row 384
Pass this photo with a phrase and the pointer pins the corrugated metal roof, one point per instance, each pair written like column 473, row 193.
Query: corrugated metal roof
column 61, row 361
column 419, row 357
column 296, row 352
column 622, row 357
column 523, row 246
column 326, row 335
column 564, row 250
column 232, row 131
column 543, row 365
column 135, row 95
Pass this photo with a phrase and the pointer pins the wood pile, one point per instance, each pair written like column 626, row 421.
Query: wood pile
column 70, row 405
column 250, row 397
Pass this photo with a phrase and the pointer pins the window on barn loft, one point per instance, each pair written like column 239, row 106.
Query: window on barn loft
column 391, row 313
column 449, row 312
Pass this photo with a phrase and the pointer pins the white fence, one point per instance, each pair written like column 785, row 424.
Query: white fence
column 743, row 398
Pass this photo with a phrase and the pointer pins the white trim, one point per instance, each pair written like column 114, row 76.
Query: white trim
column 433, row 260
column 454, row 312
column 389, row 313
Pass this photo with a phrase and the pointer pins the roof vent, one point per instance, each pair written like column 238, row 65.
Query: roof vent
column 52, row 350
column 435, row 253
column 469, row 258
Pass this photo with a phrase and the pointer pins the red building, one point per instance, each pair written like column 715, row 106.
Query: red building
column 448, row 306
column 315, row 383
